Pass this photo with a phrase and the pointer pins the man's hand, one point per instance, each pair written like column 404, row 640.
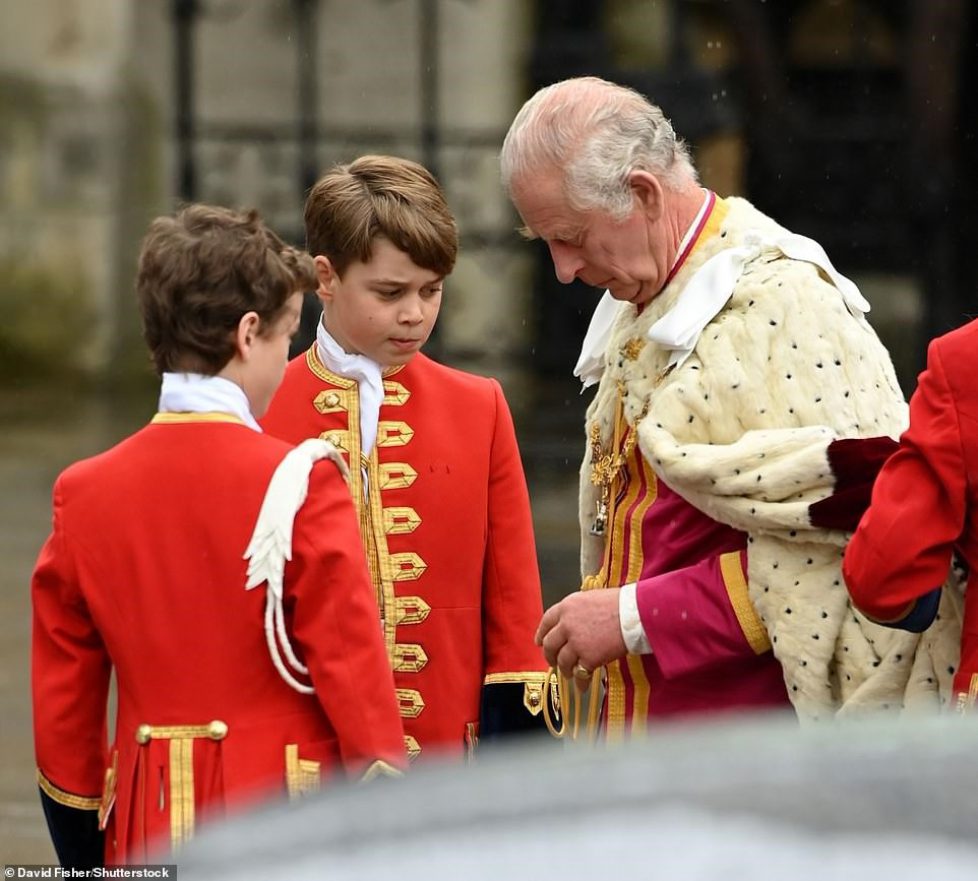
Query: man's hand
column 582, row 629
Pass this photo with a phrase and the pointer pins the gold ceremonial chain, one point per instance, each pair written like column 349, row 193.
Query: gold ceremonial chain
column 607, row 463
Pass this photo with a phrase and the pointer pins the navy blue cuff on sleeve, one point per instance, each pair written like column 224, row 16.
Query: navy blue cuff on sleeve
column 503, row 713
column 77, row 839
column 921, row 614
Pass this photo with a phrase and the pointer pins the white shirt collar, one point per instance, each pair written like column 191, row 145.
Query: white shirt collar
column 199, row 393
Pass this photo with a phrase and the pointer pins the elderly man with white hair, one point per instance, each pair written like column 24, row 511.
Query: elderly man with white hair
column 736, row 372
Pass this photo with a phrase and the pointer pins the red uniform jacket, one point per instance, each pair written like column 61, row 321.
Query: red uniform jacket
column 143, row 573
column 925, row 503
column 446, row 523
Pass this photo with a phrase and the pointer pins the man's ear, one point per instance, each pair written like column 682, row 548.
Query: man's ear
column 245, row 334
column 327, row 275
column 648, row 191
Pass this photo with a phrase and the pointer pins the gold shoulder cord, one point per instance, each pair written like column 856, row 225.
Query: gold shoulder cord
column 608, row 463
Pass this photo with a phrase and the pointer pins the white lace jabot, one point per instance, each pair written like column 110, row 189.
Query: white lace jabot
column 198, row 393
column 368, row 375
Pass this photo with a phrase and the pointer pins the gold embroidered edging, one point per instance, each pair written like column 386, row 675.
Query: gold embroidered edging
column 319, row 369
column 173, row 418
column 323, row 372
column 471, row 740
column 380, row 769
column 181, row 751
column 83, row 803
column 393, row 433
column 966, row 702
column 181, row 791
column 640, row 701
column 411, row 610
column 216, row 730
column 301, row 775
column 400, row 520
column 395, row 395
column 410, row 702
column 733, row 578
column 396, row 475
column 528, row 676
column 615, row 728
column 636, row 553
column 407, row 566
column 412, row 746
column 533, row 687
column 409, row 657
column 382, row 568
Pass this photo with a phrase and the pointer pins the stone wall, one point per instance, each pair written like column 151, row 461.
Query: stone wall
column 87, row 151
column 78, row 171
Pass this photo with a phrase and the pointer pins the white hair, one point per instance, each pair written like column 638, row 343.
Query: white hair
column 597, row 132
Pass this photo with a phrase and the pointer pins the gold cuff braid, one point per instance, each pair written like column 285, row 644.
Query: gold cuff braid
column 83, row 803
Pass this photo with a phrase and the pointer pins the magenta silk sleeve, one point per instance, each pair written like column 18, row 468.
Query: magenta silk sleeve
column 700, row 616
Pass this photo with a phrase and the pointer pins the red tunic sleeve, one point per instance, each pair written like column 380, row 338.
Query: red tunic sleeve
column 70, row 671
column 903, row 545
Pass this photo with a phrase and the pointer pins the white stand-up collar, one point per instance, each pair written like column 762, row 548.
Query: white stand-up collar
column 198, row 393
column 368, row 375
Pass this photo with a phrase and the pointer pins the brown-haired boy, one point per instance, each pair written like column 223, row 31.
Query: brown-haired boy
column 436, row 473
column 225, row 694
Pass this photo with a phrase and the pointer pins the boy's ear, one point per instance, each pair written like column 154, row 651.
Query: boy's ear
column 327, row 276
column 245, row 334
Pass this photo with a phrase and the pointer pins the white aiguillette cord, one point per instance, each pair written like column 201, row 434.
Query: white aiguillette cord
column 271, row 545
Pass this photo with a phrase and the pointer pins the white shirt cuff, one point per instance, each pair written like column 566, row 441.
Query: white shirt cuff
column 632, row 630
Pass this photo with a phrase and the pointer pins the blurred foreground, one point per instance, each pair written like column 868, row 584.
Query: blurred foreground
column 753, row 798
